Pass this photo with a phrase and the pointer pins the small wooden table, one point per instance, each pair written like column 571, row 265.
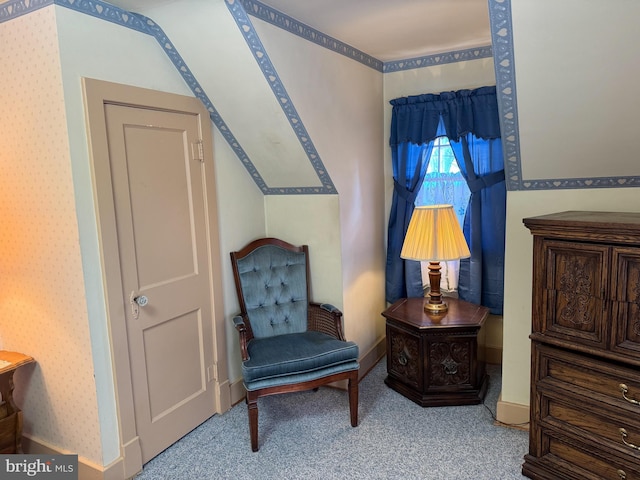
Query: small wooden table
column 434, row 360
column 10, row 414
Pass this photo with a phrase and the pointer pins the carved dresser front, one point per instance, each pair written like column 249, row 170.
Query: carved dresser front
column 585, row 349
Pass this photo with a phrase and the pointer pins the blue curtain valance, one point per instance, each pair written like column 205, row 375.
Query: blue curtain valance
column 415, row 119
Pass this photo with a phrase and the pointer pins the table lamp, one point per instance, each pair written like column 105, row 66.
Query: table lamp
column 434, row 235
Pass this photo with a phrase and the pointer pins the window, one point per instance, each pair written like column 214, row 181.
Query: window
column 444, row 183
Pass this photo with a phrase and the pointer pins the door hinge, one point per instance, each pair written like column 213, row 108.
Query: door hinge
column 212, row 373
column 197, row 151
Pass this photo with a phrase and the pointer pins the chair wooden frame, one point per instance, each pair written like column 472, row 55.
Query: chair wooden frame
column 319, row 318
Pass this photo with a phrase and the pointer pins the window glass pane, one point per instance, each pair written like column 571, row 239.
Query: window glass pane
column 443, row 183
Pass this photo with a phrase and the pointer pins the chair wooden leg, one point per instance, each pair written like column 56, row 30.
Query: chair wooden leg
column 353, row 399
column 252, row 407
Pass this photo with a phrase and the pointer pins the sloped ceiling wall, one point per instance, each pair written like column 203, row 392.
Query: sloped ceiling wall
column 572, row 109
column 253, row 110
column 578, row 101
column 247, row 101
column 260, row 120
column 285, row 161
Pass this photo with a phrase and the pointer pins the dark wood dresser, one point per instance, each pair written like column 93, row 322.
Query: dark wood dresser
column 585, row 349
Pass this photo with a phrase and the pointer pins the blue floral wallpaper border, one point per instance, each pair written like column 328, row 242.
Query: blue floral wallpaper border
column 271, row 75
column 281, row 20
column 17, row 8
column 439, row 59
column 502, row 39
column 270, row 15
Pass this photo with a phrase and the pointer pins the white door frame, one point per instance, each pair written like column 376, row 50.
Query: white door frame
column 97, row 93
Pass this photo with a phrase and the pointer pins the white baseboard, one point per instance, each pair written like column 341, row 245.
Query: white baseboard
column 373, row 356
column 512, row 414
column 87, row 470
column 237, row 392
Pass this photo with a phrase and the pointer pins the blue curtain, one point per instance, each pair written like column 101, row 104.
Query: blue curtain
column 466, row 117
column 404, row 278
column 481, row 279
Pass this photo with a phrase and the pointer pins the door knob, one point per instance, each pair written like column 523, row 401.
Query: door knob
column 141, row 300
column 136, row 302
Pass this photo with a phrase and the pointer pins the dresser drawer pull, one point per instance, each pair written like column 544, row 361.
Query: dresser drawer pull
column 622, row 474
column 624, row 389
column 624, row 435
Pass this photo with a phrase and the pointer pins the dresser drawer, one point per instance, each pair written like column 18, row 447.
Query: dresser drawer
column 606, row 429
column 564, row 458
column 595, row 380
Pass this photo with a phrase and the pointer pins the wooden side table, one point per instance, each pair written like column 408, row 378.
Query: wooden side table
column 434, row 360
column 10, row 414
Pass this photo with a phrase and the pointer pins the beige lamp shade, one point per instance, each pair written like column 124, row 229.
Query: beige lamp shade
column 434, row 234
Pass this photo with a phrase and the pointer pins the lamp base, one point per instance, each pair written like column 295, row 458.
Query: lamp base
column 435, row 308
column 435, row 305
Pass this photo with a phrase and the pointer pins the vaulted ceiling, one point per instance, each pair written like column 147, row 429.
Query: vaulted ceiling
column 386, row 30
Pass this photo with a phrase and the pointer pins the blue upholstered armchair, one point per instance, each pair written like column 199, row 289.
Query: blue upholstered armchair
column 288, row 343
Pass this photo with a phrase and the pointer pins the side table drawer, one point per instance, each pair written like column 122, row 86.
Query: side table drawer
column 451, row 363
column 9, row 428
column 404, row 356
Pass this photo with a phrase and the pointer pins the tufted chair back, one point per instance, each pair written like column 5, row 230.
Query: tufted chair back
column 274, row 286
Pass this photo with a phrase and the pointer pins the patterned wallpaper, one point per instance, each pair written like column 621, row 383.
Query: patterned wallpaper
column 42, row 305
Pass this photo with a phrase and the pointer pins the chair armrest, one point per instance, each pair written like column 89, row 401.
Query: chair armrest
column 245, row 334
column 325, row 318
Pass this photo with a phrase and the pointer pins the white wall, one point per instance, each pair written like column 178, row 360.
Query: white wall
column 311, row 220
column 575, row 65
column 42, row 308
column 51, row 250
column 338, row 100
column 207, row 37
column 241, row 218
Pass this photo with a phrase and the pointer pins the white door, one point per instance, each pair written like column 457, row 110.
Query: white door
column 152, row 169
column 157, row 219
column 161, row 220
